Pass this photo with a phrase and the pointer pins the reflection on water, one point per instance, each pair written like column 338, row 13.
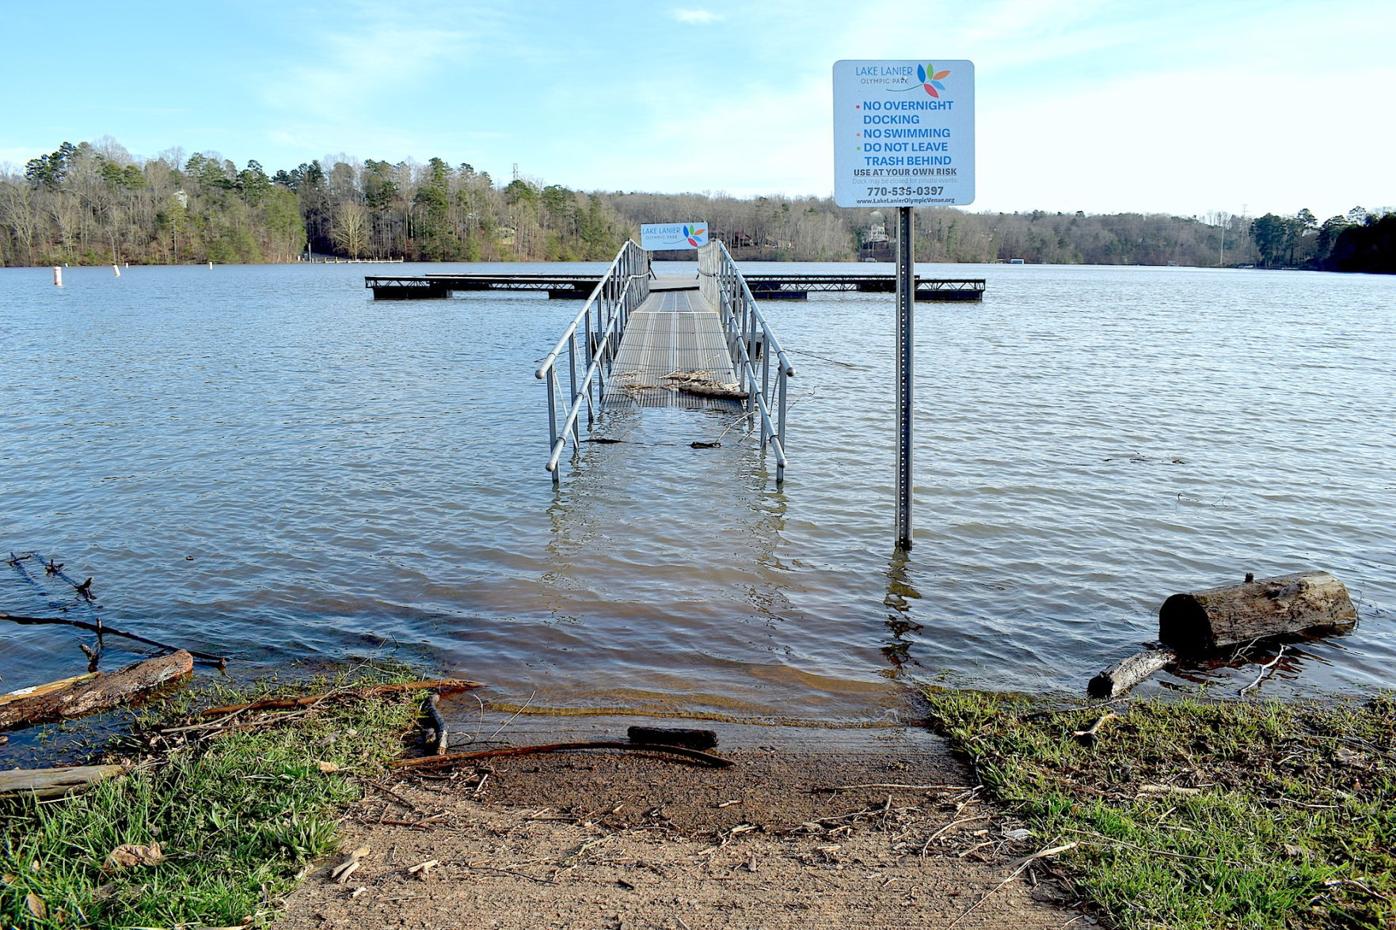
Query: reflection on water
column 901, row 625
column 262, row 461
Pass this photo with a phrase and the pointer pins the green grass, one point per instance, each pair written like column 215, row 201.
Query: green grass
column 1294, row 825
column 238, row 816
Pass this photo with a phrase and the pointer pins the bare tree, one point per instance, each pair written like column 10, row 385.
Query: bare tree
column 351, row 228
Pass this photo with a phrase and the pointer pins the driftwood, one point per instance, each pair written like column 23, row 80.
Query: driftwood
column 50, row 687
column 87, row 694
column 102, row 629
column 673, row 736
column 1264, row 672
column 1205, row 623
column 1126, row 673
column 726, row 391
column 440, row 685
column 52, row 783
column 1208, row 621
column 703, row 384
column 455, row 758
column 1088, row 736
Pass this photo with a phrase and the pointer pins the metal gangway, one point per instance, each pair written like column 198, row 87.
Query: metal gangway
column 637, row 333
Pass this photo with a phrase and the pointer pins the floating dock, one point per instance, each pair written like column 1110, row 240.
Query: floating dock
column 799, row 286
column 441, row 286
column 580, row 286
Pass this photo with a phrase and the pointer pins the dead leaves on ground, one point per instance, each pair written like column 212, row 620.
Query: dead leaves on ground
column 131, row 855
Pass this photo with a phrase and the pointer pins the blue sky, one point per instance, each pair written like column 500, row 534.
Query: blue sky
column 1181, row 107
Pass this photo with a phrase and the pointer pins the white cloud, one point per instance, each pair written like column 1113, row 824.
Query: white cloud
column 755, row 139
column 1080, row 107
column 695, row 16
column 352, row 66
column 1185, row 142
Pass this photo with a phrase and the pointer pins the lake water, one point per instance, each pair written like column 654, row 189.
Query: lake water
column 262, row 461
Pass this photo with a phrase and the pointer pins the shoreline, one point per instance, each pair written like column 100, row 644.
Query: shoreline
column 778, row 840
column 877, row 826
column 860, row 263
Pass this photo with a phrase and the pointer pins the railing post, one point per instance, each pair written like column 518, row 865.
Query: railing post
column 780, row 421
column 572, row 374
column 765, row 383
column 589, row 337
column 586, row 334
column 552, row 416
column 750, row 356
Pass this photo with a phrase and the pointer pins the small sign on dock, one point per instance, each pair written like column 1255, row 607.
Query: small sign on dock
column 669, row 237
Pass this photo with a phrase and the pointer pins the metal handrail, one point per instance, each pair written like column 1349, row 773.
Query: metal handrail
column 724, row 286
column 602, row 319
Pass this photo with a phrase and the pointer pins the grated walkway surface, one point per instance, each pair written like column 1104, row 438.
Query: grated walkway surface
column 674, row 330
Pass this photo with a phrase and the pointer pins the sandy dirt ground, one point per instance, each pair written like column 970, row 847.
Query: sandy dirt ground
column 624, row 840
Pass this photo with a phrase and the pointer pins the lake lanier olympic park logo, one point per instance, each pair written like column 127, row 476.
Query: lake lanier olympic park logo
column 929, row 79
column 693, row 235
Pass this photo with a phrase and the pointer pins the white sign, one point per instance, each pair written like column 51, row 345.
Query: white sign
column 903, row 133
column 659, row 237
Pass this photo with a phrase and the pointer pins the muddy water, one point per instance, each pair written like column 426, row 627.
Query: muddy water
column 262, row 461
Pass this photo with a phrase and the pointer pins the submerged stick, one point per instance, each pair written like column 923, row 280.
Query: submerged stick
column 101, row 628
column 431, row 762
column 443, row 685
column 1264, row 671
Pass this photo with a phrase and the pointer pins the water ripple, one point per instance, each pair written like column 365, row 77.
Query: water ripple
column 262, row 460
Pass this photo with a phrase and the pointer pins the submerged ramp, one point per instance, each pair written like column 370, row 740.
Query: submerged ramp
column 655, row 342
column 674, row 332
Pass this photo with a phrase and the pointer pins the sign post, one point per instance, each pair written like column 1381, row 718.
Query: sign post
column 906, row 358
column 904, row 137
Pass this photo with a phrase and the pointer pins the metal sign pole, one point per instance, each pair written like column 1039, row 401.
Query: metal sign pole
column 906, row 304
column 876, row 165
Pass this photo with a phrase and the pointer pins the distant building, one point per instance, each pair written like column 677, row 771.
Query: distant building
column 874, row 245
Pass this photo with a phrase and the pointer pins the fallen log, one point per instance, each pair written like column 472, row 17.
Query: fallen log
column 1202, row 622
column 1128, row 672
column 46, row 688
column 101, row 628
column 432, row 762
column 53, row 783
column 87, row 694
column 440, row 685
column 673, row 736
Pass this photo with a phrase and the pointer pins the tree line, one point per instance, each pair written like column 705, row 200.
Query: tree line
column 1360, row 240
column 95, row 204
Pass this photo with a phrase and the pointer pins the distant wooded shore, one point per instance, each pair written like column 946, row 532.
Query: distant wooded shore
column 93, row 204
